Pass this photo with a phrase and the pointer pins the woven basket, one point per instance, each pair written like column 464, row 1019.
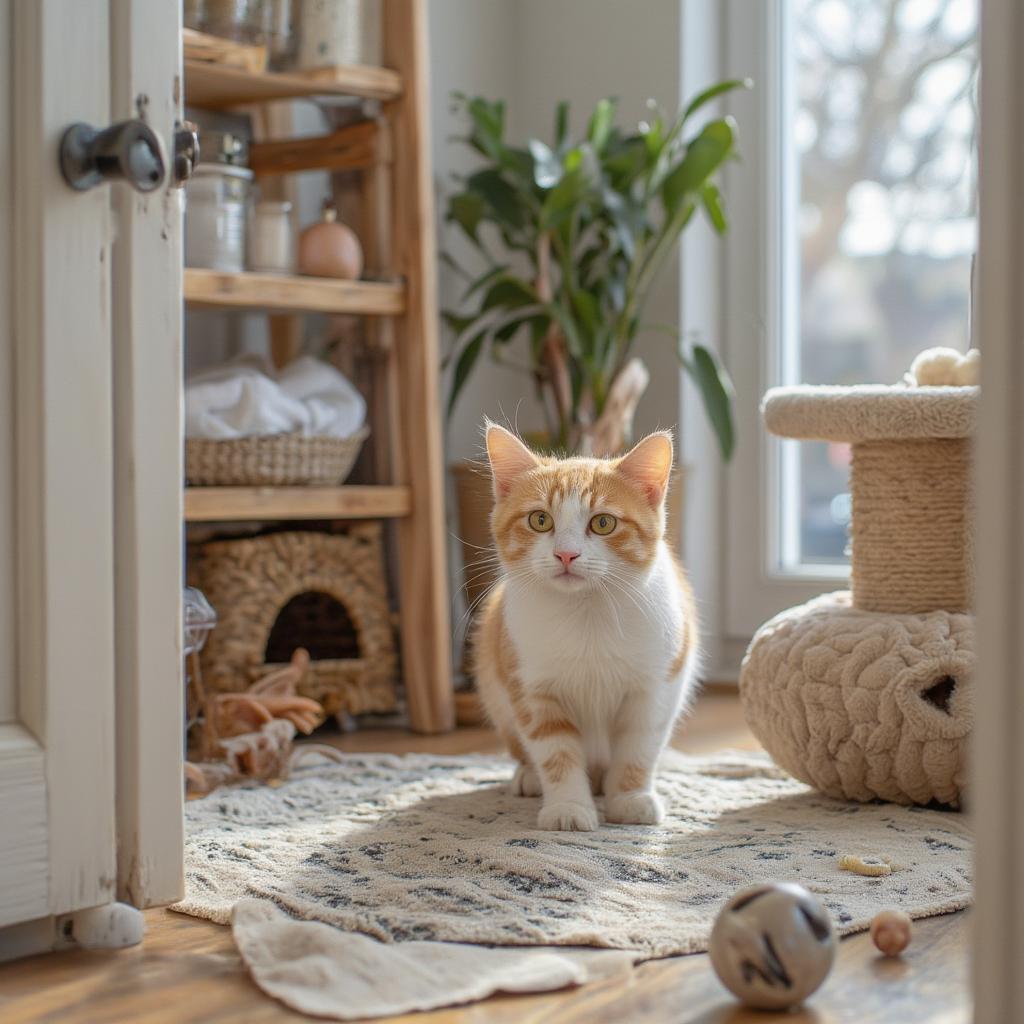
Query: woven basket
column 274, row 593
column 278, row 460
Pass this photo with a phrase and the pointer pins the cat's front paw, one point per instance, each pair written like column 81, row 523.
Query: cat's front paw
column 567, row 817
column 634, row 809
column 525, row 782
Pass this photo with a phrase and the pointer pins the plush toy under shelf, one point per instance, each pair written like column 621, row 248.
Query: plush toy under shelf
column 869, row 693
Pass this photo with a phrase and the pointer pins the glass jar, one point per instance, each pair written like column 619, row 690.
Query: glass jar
column 279, row 32
column 271, row 249
column 336, row 32
column 240, row 20
column 217, row 147
column 216, row 198
column 194, row 15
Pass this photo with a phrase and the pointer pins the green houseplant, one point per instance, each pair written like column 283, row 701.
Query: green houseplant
column 573, row 235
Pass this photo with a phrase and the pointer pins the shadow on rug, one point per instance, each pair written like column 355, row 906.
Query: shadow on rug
column 422, row 847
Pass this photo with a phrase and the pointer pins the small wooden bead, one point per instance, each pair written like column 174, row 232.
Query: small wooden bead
column 891, row 931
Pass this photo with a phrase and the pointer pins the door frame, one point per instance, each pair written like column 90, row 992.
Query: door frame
column 997, row 788
column 148, row 469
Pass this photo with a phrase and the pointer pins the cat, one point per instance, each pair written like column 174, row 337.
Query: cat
column 586, row 649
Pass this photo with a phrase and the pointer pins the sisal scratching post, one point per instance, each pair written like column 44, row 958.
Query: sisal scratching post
column 868, row 694
column 910, row 545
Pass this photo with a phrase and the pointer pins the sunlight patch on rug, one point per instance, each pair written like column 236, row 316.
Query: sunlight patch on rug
column 436, row 848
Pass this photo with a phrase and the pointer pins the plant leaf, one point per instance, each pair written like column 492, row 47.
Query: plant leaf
column 456, row 322
column 601, row 123
column 568, row 324
column 466, row 210
column 465, row 365
column 715, row 206
column 517, row 161
column 508, row 293
column 564, row 198
column 547, row 168
column 587, row 310
column 714, row 91
column 488, row 126
column 716, row 391
column 561, row 124
column 499, row 195
column 704, row 155
column 484, row 279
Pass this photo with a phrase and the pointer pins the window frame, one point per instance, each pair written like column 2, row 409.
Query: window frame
column 760, row 294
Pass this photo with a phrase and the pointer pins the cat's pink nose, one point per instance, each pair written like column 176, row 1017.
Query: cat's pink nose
column 567, row 557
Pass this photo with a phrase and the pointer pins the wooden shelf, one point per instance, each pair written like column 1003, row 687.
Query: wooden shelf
column 390, row 149
column 216, row 86
column 224, row 504
column 281, row 293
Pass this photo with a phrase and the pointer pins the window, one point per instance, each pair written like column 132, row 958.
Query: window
column 853, row 229
column 884, row 129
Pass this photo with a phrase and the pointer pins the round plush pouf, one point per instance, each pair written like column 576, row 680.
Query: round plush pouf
column 864, row 705
column 772, row 945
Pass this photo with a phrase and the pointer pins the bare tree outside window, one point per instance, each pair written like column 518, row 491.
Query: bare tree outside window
column 885, row 127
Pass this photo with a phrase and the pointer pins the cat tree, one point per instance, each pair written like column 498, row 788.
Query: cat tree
column 868, row 693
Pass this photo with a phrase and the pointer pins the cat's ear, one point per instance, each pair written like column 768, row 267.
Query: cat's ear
column 649, row 465
column 509, row 458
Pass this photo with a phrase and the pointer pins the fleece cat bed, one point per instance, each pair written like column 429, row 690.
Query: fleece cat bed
column 868, row 694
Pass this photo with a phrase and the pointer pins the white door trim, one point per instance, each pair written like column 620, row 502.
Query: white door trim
column 24, row 857
column 63, row 459
column 147, row 383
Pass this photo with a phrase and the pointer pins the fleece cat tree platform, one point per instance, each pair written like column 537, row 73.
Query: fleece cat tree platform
column 868, row 693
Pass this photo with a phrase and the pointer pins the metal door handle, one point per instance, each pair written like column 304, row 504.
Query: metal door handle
column 129, row 151
column 186, row 151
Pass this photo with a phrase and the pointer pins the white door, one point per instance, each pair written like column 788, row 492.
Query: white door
column 89, row 486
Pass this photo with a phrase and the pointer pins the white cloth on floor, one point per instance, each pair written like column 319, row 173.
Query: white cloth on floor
column 326, row 972
column 246, row 399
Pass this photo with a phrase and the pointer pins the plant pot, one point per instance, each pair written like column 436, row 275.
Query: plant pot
column 473, row 499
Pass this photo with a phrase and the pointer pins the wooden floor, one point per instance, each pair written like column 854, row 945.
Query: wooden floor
column 187, row 971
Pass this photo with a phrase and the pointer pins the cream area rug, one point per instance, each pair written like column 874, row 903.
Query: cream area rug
column 437, row 849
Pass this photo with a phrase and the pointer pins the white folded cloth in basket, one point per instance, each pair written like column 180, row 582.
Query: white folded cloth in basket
column 246, row 398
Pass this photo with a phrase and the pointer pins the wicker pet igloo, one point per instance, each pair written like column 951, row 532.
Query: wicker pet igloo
column 320, row 591
column 868, row 693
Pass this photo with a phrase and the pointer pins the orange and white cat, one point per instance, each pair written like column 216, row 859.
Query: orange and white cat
column 587, row 646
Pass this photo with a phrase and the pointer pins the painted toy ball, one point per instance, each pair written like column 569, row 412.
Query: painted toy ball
column 773, row 945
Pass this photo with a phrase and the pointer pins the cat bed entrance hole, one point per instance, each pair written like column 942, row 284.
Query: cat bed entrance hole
column 940, row 693
column 317, row 621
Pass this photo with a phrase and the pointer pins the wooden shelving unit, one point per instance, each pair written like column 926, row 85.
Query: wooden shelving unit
column 391, row 146
column 281, row 294
column 232, row 504
column 217, row 86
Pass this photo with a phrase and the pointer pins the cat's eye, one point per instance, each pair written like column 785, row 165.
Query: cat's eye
column 602, row 524
column 540, row 521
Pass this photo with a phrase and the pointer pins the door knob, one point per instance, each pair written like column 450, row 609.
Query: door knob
column 186, row 151
column 129, row 151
